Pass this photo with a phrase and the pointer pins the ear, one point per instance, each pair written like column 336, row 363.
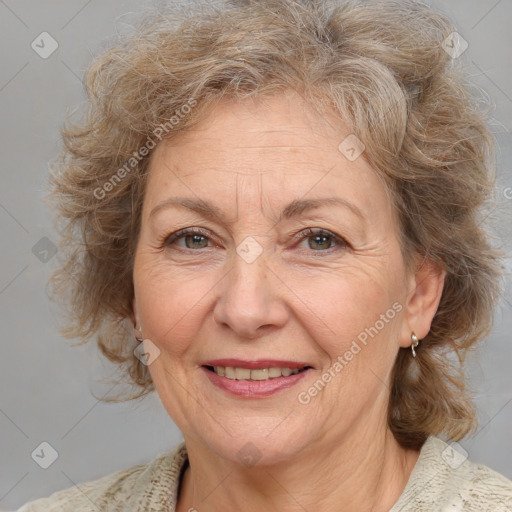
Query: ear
column 134, row 315
column 424, row 294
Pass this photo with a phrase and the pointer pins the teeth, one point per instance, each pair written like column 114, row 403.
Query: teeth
column 242, row 373
column 274, row 372
column 259, row 374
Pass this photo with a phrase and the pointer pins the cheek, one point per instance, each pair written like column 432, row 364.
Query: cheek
column 357, row 346
column 346, row 305
column 170, row 306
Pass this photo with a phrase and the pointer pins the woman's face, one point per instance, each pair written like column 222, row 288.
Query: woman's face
column 254, row 285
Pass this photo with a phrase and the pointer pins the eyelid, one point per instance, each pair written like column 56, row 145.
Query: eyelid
column 301, row 235
column 308, row 232
column 168, row 239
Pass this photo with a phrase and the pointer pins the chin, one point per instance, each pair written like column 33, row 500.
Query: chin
column 262, row 444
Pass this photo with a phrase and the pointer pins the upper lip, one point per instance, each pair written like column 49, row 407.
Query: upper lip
column 256, row 364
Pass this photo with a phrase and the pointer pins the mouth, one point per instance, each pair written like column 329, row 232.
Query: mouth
column 258, row 374
column 254, row 379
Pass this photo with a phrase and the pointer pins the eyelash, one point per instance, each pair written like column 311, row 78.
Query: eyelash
column 302, row 235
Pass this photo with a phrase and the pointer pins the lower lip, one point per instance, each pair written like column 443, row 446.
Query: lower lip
column 254, row 388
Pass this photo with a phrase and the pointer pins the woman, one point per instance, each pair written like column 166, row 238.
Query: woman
column 271, row 218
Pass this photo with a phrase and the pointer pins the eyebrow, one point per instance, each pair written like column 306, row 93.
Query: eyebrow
column 291, row 210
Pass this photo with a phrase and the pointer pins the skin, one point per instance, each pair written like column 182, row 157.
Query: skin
column 204, row 301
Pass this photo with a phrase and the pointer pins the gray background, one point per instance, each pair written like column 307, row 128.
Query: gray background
column 49, row 388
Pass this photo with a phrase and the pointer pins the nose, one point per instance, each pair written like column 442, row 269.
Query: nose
column 249, row 303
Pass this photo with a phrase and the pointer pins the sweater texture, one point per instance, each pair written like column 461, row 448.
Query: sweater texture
column 442, row 480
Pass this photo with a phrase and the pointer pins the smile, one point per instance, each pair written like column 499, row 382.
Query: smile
column 254, row 382
column 254, row 374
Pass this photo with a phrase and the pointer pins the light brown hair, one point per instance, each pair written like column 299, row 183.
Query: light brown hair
column 381, row 65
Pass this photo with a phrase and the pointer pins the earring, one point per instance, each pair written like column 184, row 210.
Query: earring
column 138, row 332
column 414, row 344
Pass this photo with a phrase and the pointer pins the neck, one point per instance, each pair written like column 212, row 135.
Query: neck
column 361, row 473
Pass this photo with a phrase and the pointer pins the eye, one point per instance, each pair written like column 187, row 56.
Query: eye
column 193, row 238
column 321, row 240
column 318, row 240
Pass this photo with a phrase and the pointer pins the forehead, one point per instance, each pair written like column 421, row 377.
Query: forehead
column 279, row 147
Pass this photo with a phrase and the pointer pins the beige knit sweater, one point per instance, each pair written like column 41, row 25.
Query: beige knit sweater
column 441, row 481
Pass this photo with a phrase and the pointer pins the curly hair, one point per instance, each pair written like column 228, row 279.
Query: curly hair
column 382, row 66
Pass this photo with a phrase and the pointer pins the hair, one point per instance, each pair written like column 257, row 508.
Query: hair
column 382, row 67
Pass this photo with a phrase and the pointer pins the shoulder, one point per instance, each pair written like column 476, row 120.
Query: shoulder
column 444, row 479
column 152, row 486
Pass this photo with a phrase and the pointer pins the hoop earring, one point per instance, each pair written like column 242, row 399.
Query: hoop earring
column 414, row 344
